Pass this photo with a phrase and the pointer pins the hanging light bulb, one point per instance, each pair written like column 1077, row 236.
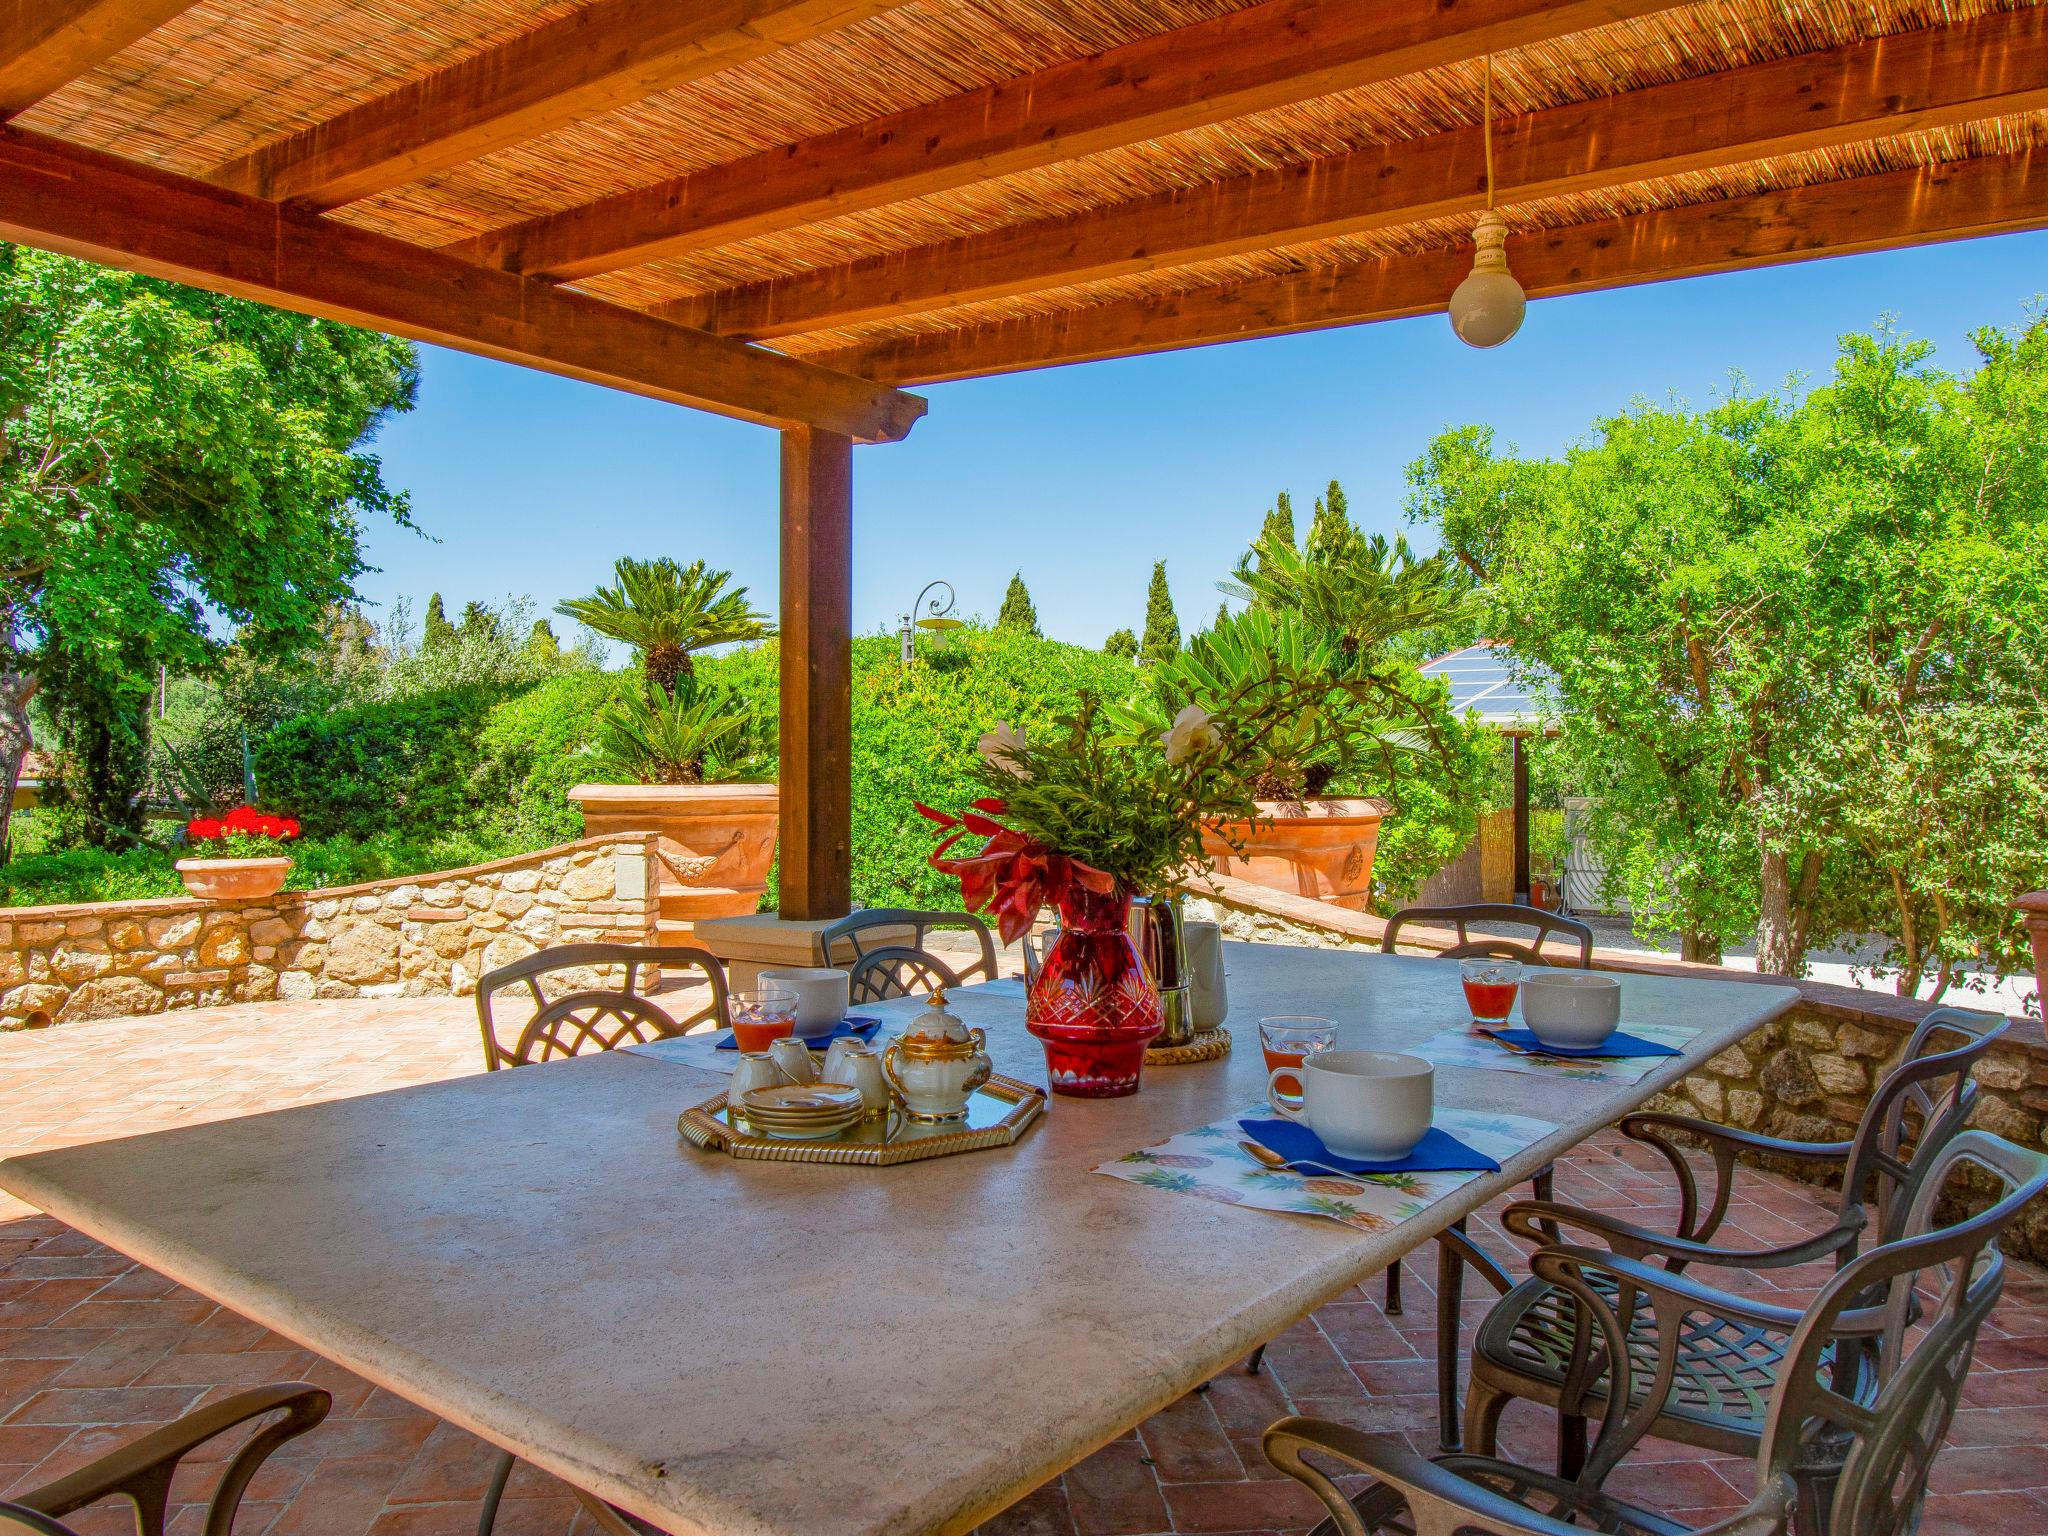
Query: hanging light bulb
column 1487, row 308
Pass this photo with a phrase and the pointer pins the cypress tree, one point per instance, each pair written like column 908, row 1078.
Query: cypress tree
column 437, row 631
column 542, row 644
column 1279, row 523
column 1121, row 642
column 1331, row 535
column 1162, row 627
column 1017, row 612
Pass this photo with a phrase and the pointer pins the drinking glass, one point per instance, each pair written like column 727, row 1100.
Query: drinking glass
column 763, row 1016
column 1291, row 1038
column 1490, row 987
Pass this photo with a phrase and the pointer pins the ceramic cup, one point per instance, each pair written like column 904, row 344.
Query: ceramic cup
column 795, row 1059
column 858, row 1065
column 756, row 1069
column 1365, row 1104
column 1574, row 1010
column 821, row 994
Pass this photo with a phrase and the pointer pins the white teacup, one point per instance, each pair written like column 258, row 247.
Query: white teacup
column 1573, row 1010
column 1372, row 1105
column 822, row 994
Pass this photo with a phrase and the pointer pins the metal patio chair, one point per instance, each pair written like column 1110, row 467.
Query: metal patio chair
column 1497, row 913
column 1536, row 1344
column 142, row 1471
column 593, row 1019
column 883, row 967
column 1872, row 1372
column 1542, row 1182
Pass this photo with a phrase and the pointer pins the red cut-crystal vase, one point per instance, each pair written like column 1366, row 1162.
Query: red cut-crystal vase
column 1092, row 1005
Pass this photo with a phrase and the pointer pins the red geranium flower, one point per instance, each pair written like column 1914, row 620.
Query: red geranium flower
column 205, row 827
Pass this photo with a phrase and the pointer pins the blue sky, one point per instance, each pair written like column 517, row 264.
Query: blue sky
column 1081, row 477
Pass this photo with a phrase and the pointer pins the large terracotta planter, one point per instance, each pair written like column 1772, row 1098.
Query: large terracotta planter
column 2034, row 908
column 717, row 843
column 233, row 879
column 1320, row 848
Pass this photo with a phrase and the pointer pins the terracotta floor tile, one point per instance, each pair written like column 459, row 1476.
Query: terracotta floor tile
column 1114, row 1493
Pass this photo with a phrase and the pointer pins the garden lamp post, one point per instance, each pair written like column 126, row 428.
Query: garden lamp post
column 931, row 610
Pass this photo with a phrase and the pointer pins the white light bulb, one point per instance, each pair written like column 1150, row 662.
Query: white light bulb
column 1488, row 306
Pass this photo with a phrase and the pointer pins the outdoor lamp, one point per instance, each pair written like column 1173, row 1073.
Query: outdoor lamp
column 1487, row 307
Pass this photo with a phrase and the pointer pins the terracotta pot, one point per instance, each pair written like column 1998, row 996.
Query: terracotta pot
column 717, row 843
column 233, row 879
column 2034, row 907
column 1320, row 848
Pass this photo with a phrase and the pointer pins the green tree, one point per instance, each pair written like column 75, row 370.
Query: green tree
column 1121, row 642
column 1162, row 628
column 1332, row 536
column 479, row 623
column 435, row 630
column 542, row 644
column 1017, row 613
column 1797, row 642
column 175, row 464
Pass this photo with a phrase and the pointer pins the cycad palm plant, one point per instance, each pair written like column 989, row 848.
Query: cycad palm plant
column 674, row 729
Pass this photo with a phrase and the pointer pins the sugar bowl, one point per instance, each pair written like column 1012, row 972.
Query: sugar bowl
column 935, row 1065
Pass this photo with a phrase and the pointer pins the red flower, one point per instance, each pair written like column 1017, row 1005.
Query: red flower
column 244, row 820
column 206, row 827
column 1012, row 877
column 288, row 827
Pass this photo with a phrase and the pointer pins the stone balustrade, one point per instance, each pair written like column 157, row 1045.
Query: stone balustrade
column 1807, row 1075
column 415, row 936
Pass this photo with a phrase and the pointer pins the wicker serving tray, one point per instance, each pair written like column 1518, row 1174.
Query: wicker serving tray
column 999, row 1112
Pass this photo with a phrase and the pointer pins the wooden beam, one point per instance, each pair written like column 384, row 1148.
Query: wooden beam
column 1921, row 80
column 1953, row 201
column 46, row 44
column 816, row 807
column 1266, row 56
column 606, row 55
column 84, row 203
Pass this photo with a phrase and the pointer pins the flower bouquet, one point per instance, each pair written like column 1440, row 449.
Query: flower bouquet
column 1083, row 818
column 239, row 856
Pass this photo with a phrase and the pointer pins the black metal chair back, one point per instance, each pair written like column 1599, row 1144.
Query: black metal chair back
column 881, row 974
column 593, row 1018
column 1919, row 1107
column 879, row 930
column 1544, row 924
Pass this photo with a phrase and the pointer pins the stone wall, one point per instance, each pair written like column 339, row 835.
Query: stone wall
column 1805, row 1076
column 419, row 936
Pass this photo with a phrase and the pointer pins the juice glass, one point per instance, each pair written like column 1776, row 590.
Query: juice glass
column 762, row 1017
column 1289, row 1039
column 1490, row 987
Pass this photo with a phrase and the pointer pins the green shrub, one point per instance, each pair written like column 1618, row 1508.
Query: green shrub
column 88, row 874
column 915, row 730
column 405, row 765
column 538, row 745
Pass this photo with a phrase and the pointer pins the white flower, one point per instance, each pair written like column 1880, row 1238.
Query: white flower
column 1191, row 734
column 1002, row 747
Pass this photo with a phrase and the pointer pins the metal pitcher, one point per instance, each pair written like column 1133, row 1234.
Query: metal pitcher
column 1162, row 947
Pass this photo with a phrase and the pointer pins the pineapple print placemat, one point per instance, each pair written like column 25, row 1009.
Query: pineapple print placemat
column 1208, row 1163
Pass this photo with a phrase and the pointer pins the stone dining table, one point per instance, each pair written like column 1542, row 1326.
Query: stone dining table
column 770, row 1349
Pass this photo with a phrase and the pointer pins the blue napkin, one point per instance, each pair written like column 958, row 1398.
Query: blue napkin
column 853, row 1027
column 1438, row 1151
column 1616, row 1044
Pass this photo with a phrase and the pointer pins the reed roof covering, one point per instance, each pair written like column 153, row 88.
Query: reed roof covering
column 832, row 178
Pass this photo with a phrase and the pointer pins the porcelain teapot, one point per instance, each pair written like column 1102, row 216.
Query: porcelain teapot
column 935, row 1065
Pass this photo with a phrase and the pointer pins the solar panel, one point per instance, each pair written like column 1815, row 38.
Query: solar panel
column 1481, row 678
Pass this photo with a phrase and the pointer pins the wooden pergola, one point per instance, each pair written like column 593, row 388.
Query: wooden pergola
column 785, row 210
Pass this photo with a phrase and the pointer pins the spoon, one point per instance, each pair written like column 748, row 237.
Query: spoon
column 1273, row 1159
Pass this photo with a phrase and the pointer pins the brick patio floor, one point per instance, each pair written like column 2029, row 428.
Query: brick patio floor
column 93, row 1347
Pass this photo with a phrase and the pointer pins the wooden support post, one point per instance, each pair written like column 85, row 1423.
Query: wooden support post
column 1521, row 757
column 817, row 673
